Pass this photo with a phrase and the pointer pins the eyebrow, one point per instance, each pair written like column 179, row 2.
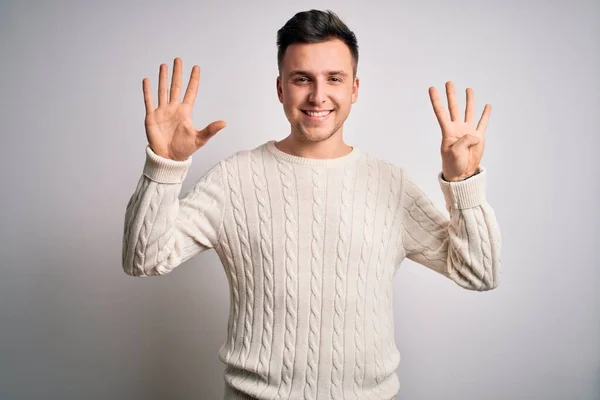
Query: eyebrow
column 328, row 73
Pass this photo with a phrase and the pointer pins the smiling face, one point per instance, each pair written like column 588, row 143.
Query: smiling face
column 317, row 88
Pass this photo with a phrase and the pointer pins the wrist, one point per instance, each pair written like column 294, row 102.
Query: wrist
column 460, row 179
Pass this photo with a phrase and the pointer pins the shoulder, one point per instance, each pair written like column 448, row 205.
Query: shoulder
column 245, row 162
column 387, row 167
column 245, row 154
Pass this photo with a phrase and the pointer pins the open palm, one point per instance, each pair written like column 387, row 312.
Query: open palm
column 169, row 128
column 462, row 143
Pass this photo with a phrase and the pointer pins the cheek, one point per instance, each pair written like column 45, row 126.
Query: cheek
column 343, row 100
column 343, row 97
column 292, row 100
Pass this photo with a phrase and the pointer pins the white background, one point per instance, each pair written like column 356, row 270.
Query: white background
column 74, row 326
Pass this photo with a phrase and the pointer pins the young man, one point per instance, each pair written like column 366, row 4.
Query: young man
column 310, row 230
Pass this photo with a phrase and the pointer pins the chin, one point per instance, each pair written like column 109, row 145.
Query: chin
column 314, row 135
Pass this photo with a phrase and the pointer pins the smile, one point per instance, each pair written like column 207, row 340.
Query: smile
column 317, row 114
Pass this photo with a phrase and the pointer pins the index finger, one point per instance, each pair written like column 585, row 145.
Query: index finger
column 438, row 107
column 192, row 88
column 147, row 95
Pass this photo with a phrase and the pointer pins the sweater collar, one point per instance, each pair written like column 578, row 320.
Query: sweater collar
column 322, row 162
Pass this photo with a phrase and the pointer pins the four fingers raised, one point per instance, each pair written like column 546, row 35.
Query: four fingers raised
column 442, row 115
column 175, row 89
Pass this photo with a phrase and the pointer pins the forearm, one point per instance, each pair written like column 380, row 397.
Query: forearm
column 473, row 234
column 474, row 247
column 464, row 247
column 161, row 230
column 149, row 237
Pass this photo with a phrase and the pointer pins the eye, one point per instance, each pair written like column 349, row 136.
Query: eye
column 336, row 79
column 301, row 79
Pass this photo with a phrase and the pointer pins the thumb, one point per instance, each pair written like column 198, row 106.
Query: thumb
column 210, row 130
column 465, row 142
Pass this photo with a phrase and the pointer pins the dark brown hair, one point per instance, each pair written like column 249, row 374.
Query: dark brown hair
column 315, row 26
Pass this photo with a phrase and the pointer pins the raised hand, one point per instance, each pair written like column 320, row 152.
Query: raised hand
column 169, row 127
column 462, row 143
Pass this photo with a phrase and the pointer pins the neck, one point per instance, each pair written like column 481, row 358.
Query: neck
column 333, row 147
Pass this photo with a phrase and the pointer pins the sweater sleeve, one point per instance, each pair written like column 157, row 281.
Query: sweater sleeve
column 162, row 231
column 464, row 247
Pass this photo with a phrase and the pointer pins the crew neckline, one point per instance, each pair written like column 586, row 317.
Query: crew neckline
column 324, row 162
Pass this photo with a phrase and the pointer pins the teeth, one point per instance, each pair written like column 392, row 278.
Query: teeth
column 317, row 114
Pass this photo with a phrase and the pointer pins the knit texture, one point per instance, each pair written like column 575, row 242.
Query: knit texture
column 310, row 248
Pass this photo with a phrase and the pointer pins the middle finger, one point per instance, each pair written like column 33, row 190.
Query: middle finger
column 176, row 81
column 452, row 103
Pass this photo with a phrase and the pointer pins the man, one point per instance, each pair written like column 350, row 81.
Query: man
column 310, row 230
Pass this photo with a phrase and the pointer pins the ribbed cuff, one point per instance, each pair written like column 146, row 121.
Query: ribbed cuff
column 464, row 194
column 164, row 170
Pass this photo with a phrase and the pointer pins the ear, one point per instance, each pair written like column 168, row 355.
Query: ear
column 355, row 86
column 279, row 89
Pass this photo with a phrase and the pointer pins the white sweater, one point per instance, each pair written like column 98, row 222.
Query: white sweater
column 310, row 247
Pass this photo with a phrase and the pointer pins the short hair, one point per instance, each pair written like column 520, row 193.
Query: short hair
column 315, row 26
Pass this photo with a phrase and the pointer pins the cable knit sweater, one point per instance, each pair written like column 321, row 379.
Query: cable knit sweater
column 309, row 247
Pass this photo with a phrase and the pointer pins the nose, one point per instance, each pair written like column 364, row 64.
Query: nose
column 317, row 94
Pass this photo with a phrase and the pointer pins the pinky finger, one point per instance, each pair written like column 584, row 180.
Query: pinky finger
column 483, row 121
column 147, row 96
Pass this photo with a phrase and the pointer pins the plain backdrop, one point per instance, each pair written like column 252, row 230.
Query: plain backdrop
column 74, row 326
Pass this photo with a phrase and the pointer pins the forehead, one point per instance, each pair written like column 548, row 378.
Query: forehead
column 332, row 55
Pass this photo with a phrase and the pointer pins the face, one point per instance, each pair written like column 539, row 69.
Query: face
column 317, row 88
